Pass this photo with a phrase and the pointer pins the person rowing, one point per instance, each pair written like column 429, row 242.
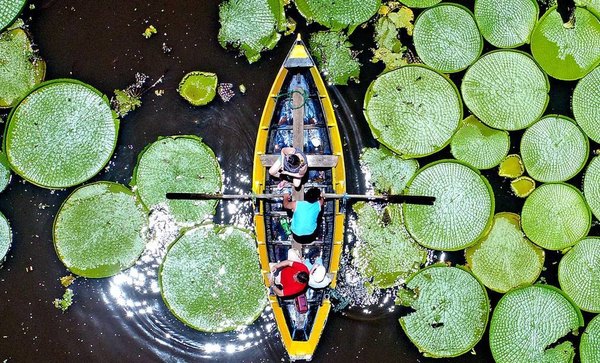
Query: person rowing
column 292, row 164
column 306, row 214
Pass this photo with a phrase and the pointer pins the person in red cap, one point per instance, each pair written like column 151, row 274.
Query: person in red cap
column 289, row 278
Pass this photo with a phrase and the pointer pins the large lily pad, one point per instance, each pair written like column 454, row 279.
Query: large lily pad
column 20, row 69
column 336, row 61
column 591, row 5
column 5, row 174
column 463, row 208
column 528, row 321
column 9, row 10
column 591, row 186
column 567, row 53
column 252, row 26
column 586, row 104
column 555, row 216
column 387, row 254
column 388, row 172
column 589, row 347
column 5, row 237
column 338, row 15
column 505, row 259
column 479, row 145
column 554, row 149
column 210, row 279
column 413, row 110
column 420, row 3
column 61, row 134
column 446, row 37
column 178, row 164
column 508, row 23
column 579, row 274
column 506, row 89
column 99, row 229
column 451, row 311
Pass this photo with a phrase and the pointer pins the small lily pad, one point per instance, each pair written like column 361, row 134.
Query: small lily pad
column 9, row 11
column 198, row 88
column 528, row 321
column 98, row 230
column 522, row 186
column 586, row 104
column 579, row 274
column 591, row 186
column 511, row 166
column 210, row 279
column 589, row 347
column 451, row 311
column 505, row 259
column 506, row 24
column 5, row 174
column 389, row 172
column 337, row 62
column 479, row 145
column 338, row 15
column 5, row 237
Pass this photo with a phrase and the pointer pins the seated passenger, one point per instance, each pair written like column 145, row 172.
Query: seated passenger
column 306, row 215
column 318, row 276
column 292, row 163
column 288, row 278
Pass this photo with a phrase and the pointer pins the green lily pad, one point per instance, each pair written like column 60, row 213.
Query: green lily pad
column 555, row 216
column 5, row 174
column 210, row 279
column 446, row 37
column 567, row 53
column 522, row 186
column 527, row 321
column 99, row 229
column 198, row 88
column 9, row 11
column 506, row 89
column 338, row 15
column 554, row 149
column 586, row 104
column 388, row 172
column 591, row 186
column 420, row 3
column 5, row 237
column 62, row 134
column 479, row 145
column 413, row 110
column 336, row 61
column 579, row 274
column 511, row 166
column 252, row 26
column 463, row 208
column 589, row 347
column 388, row 254
column 506, row 24
column 451, row 311
column 505, row 259
column 20, row 69
column 591, row 5
column 178, row 164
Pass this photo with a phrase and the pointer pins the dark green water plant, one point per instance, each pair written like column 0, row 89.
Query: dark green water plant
column 338, row 15
column 389, row 172
column 336, row 60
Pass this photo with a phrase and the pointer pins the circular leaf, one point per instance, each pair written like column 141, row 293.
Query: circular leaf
column 463, row 208
column 579, row 274
column 338, row 15
column 420, row 3
column 198, row 88
column 413, row 110
column 210, row 279
column 9, row 11
column 589, row 347
column 387, row 171
column 506, row 24
column 555, row 216
column 98, row 230
column 506, row 89
column 61, row 134
column 5, row 237
column 586, row 104
column 5, row 174
column 479, row 145
column 591, row 186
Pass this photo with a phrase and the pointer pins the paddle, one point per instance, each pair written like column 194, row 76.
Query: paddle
column 410, row 199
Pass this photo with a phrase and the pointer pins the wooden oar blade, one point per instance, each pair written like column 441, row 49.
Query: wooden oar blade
column 204, row 196
column 411, row 199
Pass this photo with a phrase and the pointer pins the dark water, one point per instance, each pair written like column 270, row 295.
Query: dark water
column 123, row 318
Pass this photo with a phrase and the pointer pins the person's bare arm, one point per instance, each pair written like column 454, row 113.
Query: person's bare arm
column 275, row 169
column 281, row 264
column 287, row 203
column 277, row 290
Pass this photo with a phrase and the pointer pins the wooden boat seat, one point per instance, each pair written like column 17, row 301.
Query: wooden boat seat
column 314, row 161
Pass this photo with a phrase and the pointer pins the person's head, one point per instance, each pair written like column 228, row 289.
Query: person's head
column 302, row 277
column 312, row 254
column 312, row 195
column 293, row 160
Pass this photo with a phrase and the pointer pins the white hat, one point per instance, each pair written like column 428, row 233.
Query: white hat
column 319, row 278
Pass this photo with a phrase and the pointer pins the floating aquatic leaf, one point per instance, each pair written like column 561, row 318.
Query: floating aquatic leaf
column 586, row 104
column 463, row 208
column 389, row 172
column 506, row 24
column 579, row 274
column 5, row 237
column 591, row 5
column 505, row 259
column 178, row 164
column 567, row 53
column 9, row 10
column 528, row 321
column 420, row 3
column 511, row 166
column 451, row 311
column 413, row 110
column 251, row 25
column 20, row 68
column 210, row 279
column 446, row 37
column 61, row 134
column 555, row 216
column 389, row 48
column 589, row 347
column 554, row 149
column 5, row 174
column 336, row 61
column 65, row 302
column 522, row 186
column 338, row 15
column 506, row 89
column 387, row 253
column 198, row 88
column 98, row 230
column 591, row 186
column 479, row 145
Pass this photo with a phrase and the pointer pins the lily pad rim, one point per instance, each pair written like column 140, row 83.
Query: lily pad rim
column 561, row 261
column 15, row 17
column 537, row 19
column 192, row 74
column 10, row 238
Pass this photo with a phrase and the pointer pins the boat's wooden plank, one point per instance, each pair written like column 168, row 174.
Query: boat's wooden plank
column 298, row 133
column 314, row 161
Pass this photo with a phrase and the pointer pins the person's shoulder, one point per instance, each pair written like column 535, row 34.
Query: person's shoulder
column 300, row 266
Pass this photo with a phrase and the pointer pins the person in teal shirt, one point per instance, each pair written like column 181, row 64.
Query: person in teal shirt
column 306, row 214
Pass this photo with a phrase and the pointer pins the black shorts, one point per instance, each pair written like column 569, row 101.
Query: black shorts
column 305, row 239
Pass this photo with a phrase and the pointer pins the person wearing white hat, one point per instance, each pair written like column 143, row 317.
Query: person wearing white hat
column 318, row 277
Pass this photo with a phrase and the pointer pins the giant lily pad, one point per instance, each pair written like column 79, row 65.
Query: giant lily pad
column 479, row 145
column 198, row 88
column 567, row 53
column 178, row 164
column 579, row 274
column 210, row 279
column 336, row 61
column 251, row 25
column 528, row 321
column 446, row 37
column 586, row 104
column 389, row 172
column 98, row 230
column 451, row 311
column 589, row 347
column 61, row 134
column 387, row 253
column 5, row 237
column 555, row 216
column 338, row 15
column 20, row 69
column 591, row 5
column 554, row 149
column 413, row 110
column 506, row 24
column 506, row 89
column 591, row 186
column 5, row 173
column 9, row 10
column 463, row 208
column 420, row 3
column 505, row 259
